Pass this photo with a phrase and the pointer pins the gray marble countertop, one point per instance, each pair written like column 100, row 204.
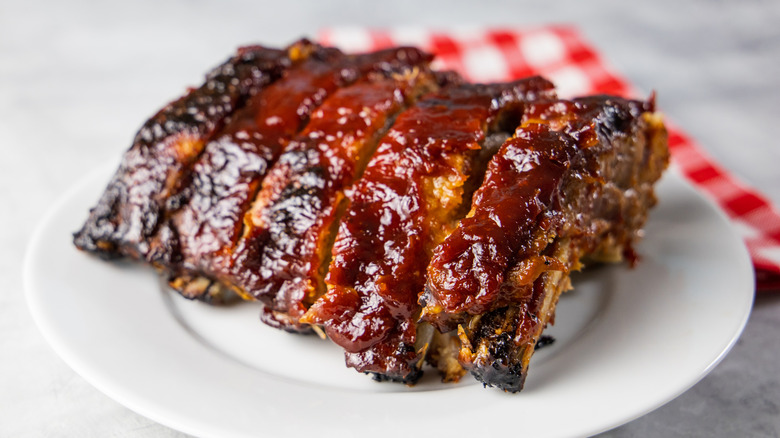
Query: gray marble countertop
column 78, row 78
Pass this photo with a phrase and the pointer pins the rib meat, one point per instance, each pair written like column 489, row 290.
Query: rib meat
column 407, row 200
column 575, row 181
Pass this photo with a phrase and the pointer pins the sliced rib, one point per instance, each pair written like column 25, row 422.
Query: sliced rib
column 575, row 181
column 409, row 198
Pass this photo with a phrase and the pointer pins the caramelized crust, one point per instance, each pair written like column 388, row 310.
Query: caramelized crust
column 133, row 204
column 575, row 181
column 283, row 256
column 196, row 244
column 204, row 216
column 407, row 200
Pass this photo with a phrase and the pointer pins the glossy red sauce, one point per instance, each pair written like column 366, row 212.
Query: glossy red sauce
column 467, row 269
column 385, row 239
column 519, row 197
column 226, row 178
column 294, row 212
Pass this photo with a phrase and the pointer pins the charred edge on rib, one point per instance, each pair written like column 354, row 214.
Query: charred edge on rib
column 194, row 117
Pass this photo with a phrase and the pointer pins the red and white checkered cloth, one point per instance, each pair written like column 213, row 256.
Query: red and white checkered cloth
column 562, row 55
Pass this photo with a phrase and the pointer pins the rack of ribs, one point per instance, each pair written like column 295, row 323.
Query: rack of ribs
column 406, row 214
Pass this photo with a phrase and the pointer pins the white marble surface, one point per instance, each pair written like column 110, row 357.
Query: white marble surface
column 78, row 78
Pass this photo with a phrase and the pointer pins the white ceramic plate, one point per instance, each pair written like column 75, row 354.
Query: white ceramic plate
column 628, row 341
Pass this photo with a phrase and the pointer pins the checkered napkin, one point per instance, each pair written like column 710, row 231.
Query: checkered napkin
column 562, row 55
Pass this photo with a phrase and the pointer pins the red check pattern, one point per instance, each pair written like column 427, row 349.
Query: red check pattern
column 562, row 55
